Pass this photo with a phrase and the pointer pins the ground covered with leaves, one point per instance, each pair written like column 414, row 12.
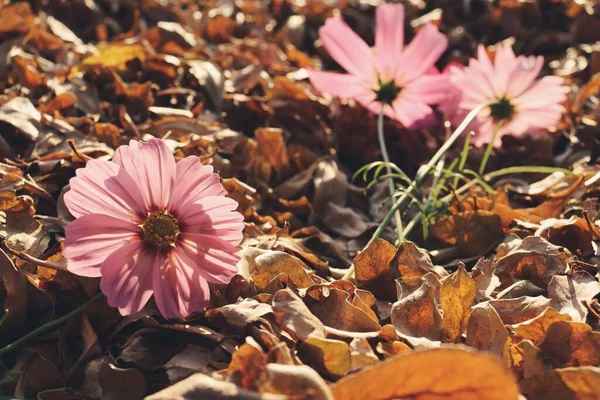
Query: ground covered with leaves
column 493, row 295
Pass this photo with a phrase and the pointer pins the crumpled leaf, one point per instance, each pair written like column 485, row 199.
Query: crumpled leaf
column 372, row 269
column 295, row 381
column 418, row 314
column 248, row 362
column 15, row 303
column 412, row 264
column 203, row 386
column 569, row 292
column 243, row 313
column 411, row 376
column 456, row 295
column 334, row 308
column 485, row 279
column 294, row 317
column 115, row 55
column 513, row 311
column 535, row 259
column 536, row 328
column 263, row 266
column 579, row 383
column 571, row 344
column 328, row 356
column 485, row 330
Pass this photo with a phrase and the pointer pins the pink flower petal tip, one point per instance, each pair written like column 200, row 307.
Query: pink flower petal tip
column 403, row 81
column 148, row 225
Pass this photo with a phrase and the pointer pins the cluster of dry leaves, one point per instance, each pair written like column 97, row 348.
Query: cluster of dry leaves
column 503, row 304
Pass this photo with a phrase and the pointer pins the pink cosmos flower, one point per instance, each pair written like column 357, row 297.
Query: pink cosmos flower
column 513, row 92
column 402, row 80
column 148, row 225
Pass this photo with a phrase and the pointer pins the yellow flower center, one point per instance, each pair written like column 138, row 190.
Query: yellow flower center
column 161, row 229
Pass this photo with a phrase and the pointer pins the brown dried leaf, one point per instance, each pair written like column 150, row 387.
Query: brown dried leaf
column 15, row 303
column 334, row 308
column 535, row 329
column 410, row 376
column 571, row 344
column 328, row 356
column 372, row 269
column 568, row 293
column 580, row 383
column 514, row 311
column 535, row 259
column 295, row 381
column 294, row 317
column 472, row 232
column 248, row 363
column 485, row 330
column 413, row 263
column 263, row 266
column 200, row 386
column 456, row 295
column 418, row 314
column 243, row 313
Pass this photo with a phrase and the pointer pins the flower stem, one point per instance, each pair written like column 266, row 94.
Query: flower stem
column 49, row 326
column 490, row 147
column 386, row 159
column 421, row 174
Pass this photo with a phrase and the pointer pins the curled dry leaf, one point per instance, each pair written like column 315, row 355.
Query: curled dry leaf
column 485, row 330
column 535, row 259
column 411, row 376
column 579, row 383
column 514, row 311
column 571, row 344
column 200, row 386
column 330, row 357
column 569, row 293
column 295, row 380
column 413, row 263
column 372, row 269
column 263, row 266
column 456, row 295
column 295, row 318
column 243, row 313
column 536, row 328
column 418, row 314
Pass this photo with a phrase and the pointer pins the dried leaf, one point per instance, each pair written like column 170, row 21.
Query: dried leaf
column 328, row 356
column 456, row 295
column 569, row 293
column 294, row 317
column 485, row 330
column 410, row 376
column 372, row 269
column 580, row 383
column 418, row 314
column 571, row 344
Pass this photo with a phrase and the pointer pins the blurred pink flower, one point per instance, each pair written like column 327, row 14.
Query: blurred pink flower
column 402, row 80
column 510, row 86
column 148, row 225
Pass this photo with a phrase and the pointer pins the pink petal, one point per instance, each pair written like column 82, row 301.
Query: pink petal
column 348, row 49
column 505, row 63
column 389, row 38
column 546, row 92
column 429, row 89
column 410, row 111
column 338, row 85
column 523, row 76
column 214, row 216
column 92, row 238
column 102, row 187
column 192, row 182
column 179, row 289
column 127, row 276
column 216, row 259
column 421, row 54
column 152, row 166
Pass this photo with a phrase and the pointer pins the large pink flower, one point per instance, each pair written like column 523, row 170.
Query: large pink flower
column 513, row 92
column 148, row 225
column 404, row 81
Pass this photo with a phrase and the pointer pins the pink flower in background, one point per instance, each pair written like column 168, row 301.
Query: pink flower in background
column 513, row 92
column 148, row 225
column 402, row 80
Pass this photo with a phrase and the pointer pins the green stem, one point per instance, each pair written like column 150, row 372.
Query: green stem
column 490, row 146
column 421, row 174
column 386, row 159
column 49, row 326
